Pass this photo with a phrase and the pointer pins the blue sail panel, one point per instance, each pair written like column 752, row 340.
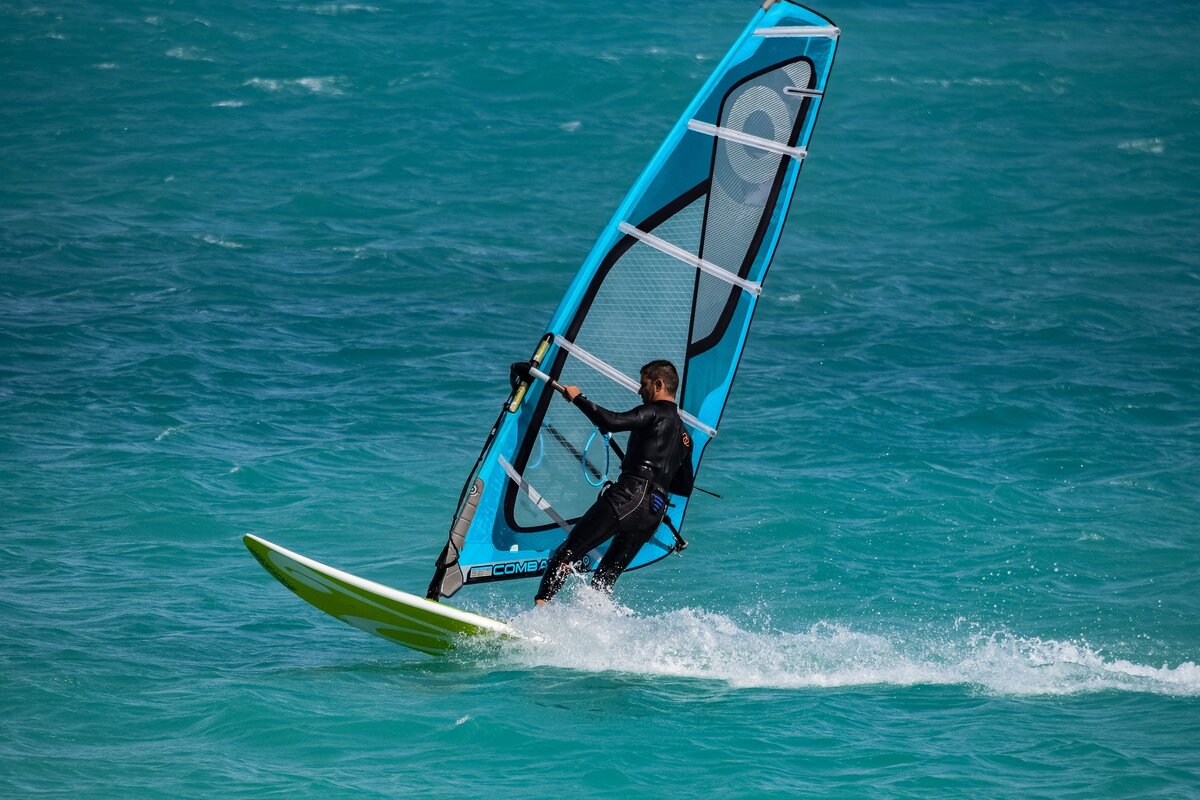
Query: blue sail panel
column 675, row 274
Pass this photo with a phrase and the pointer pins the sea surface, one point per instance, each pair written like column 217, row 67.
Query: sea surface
column 263, row 266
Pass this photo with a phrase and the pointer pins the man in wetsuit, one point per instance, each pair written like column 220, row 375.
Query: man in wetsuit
column 658, row 460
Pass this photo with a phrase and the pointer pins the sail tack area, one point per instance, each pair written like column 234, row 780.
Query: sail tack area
column 676, row 274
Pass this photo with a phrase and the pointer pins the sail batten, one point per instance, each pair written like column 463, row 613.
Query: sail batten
column 676, row 274
column 599, row 365
column 629, row 383
column 685, row 257
column 533, row 494
column 744, row 138
column 800, row 31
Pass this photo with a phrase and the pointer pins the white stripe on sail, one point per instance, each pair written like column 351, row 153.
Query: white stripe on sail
column 827, row 32
column 678, row 253
column 537, row 499
column 616, row 376
column 731, row 135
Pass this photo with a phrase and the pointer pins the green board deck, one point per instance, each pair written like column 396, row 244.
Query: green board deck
column 399, row 617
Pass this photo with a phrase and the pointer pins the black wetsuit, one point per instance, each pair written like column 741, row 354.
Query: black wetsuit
column 658, row 460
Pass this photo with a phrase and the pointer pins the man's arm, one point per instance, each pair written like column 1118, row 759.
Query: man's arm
column 609, row 421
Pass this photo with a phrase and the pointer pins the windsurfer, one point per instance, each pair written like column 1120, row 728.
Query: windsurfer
column 658, row 460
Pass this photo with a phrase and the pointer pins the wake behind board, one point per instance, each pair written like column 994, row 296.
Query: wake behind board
column 397, row 616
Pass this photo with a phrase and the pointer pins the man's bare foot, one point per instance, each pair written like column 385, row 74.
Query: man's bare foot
column 540, row 602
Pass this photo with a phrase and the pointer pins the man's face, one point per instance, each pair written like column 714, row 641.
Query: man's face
column 647, row 390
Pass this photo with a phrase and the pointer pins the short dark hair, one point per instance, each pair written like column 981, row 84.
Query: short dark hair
column 662, row 371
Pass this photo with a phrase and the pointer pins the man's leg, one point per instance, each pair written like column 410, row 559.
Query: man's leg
column 624, row 547
column 596, row 525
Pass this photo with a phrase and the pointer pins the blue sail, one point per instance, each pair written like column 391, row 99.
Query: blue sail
column 676, row 274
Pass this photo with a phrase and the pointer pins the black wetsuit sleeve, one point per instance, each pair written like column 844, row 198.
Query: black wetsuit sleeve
column 614, row 421
column 685, row 477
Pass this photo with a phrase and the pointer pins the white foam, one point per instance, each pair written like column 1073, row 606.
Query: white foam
column 1154, row 146
column 327, row 85
column 228, row 104
column 166, row 433
column 333, row 9
column 266, row 84
column 320, row 85
column 187, row 54
column 210, row 239
column 972, row 82
column 588, row 632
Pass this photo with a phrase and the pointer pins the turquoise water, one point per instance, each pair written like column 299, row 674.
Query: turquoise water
column 263, row 267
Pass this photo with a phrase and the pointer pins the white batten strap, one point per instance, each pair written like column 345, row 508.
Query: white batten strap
column 744, row 138
column 799, row 91
column 616, row 376
column 804, row 31
column 678, row 253
column 537, row 499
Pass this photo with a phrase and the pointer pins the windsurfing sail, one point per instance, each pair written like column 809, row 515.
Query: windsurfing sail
column 676, row 274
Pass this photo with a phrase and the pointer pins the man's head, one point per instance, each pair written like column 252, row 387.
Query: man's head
column 660, row 381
